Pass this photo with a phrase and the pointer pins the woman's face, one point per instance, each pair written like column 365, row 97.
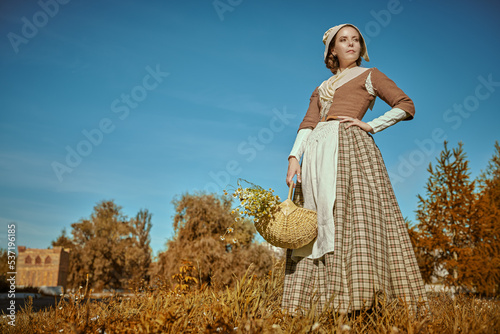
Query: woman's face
column 347, row 46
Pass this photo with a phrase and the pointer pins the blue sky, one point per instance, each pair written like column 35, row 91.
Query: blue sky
column 142, row 101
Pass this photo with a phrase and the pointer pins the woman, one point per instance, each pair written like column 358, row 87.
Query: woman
column 362, row 251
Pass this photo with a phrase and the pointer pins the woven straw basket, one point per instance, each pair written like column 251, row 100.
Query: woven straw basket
column 292, row 226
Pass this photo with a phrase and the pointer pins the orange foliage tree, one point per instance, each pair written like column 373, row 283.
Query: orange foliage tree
column 199, row 223
column 108, row 248
column 487, row 235
column 457, row 238
column 444, row 244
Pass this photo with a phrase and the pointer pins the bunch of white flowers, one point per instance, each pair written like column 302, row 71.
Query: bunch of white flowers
column 255, row 202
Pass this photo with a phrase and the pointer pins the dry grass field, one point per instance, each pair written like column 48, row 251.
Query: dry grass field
column 251, row 306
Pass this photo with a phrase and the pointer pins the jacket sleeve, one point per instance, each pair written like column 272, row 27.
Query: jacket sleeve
column 312, row 116
column 299, row 144
column 387, row 90
column 391, row 117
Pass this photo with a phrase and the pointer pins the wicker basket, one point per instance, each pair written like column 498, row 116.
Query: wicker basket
column 292, row 226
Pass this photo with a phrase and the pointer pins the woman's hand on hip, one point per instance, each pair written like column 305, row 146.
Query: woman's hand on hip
column 354, row 121
column 293, row 169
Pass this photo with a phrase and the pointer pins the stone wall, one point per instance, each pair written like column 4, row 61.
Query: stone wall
column 42, row 267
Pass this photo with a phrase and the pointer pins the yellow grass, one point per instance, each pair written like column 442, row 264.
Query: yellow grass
column 252, row 306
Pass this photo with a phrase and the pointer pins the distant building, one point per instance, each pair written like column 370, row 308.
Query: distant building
column 42, row 267
column 277, row 251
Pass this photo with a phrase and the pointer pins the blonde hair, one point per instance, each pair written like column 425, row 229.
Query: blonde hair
column 332, row 62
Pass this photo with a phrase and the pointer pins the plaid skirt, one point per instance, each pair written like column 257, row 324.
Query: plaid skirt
column 373, row 255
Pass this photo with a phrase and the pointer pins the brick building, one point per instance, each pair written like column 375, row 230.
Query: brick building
column 42, row 267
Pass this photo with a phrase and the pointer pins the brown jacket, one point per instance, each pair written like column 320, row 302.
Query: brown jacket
column 352, row 99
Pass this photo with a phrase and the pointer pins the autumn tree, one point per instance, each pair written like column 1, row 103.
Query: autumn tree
column 108, row 248
column 445, row 243
column 138, row 256
column 425, row 260
column 63, row 241
column 199, row 222
column 487, row 229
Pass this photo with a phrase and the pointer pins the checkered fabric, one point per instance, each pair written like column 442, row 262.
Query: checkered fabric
column 373, row 254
